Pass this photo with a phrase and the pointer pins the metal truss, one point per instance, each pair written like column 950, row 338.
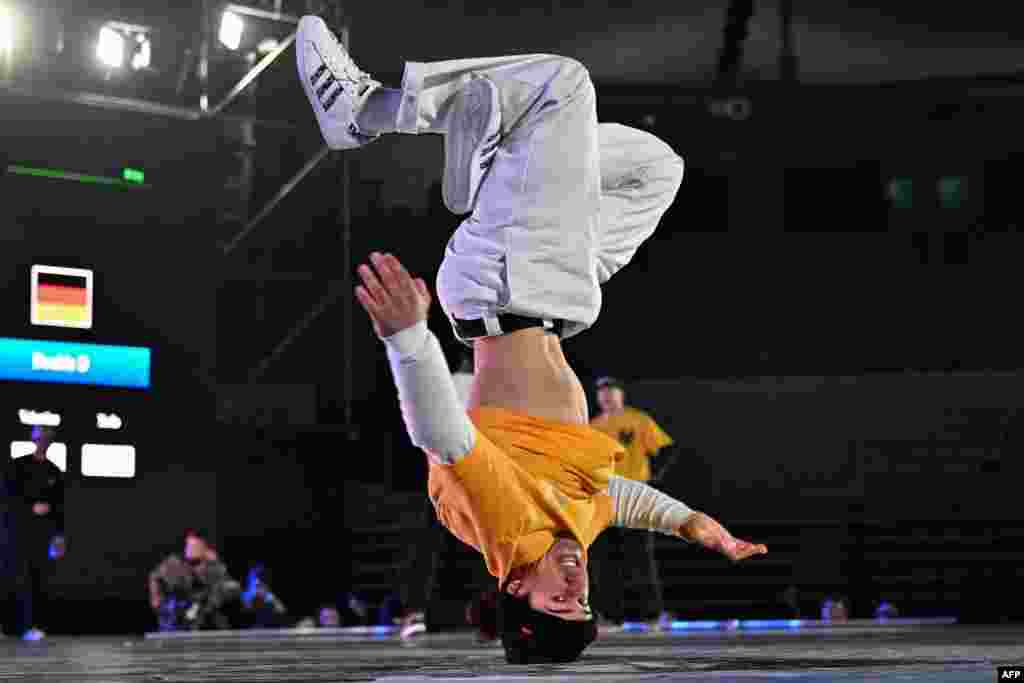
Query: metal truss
column 204, row 111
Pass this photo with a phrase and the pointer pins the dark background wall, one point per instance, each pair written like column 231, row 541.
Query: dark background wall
column 651, row 41
column 896, row 447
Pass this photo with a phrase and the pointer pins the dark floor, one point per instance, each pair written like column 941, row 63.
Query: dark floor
column 935, row 653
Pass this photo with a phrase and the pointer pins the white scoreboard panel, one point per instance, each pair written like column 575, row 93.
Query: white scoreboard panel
column 100, row 430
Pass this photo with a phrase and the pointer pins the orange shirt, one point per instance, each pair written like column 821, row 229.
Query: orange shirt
column 526, row 480
column 640, row 435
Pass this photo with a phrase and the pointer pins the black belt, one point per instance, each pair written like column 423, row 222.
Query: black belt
column 507, row 322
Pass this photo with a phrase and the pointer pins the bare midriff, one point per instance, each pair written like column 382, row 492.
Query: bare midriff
column 527, row 372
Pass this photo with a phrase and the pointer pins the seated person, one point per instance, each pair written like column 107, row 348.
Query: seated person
column 194, row 592
column 835, row 609
column 259, row 606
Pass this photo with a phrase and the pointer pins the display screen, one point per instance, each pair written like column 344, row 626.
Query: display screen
column 61, row 297
column 33, row 360
column 73, row 358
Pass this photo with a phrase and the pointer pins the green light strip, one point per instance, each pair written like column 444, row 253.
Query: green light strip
column 76, row 177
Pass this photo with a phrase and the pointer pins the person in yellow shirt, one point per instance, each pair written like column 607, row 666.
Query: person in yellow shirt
column 521, row 477
column 641, row 437
column 619, row 551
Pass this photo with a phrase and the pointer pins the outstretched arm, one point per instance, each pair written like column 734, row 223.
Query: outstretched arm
column 397, row 304
column 638, row 506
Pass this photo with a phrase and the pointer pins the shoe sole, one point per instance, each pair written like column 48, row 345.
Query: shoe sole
column 468, row 131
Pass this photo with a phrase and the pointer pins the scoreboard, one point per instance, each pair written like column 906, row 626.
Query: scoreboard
column 63, row 365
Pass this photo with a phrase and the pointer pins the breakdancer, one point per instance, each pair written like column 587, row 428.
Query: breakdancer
column 556, row 205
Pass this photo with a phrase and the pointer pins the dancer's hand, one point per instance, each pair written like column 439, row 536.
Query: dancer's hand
column 391, row 297
column 702, row 529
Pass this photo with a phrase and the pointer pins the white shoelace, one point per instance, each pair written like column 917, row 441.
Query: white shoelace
column 348, row 70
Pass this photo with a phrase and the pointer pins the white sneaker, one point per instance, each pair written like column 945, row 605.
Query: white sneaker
column 334, row 85
column 412, row 626
column 33, row 634
column 470, row 144
column 307, row 624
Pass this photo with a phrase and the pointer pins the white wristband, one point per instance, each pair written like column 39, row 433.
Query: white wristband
column 407, row 342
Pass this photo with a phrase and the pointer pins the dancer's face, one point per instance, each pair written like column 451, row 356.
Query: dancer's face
column 559, row 585
column 611, row 399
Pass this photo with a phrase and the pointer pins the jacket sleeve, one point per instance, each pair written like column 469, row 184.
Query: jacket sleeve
column 639, row 506
column 434, row 416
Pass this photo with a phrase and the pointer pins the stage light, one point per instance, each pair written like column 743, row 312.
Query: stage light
column 231, row 27
column 267, row 46
column 6, row 31
column 110, row 48
column 698, row 625
column 143, row 52
column 770, row 624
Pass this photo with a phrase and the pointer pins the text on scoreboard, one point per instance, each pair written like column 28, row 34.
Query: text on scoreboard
column 31, row 360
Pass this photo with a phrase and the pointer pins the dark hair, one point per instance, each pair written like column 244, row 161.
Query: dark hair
column 609, row 382
column 532, row 637
column 196, row 533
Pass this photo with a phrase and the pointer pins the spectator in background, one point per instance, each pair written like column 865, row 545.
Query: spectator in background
column 328, row 617
column 621, row 552
column 35, row 488
column 260, row 607
column 886, row 610
column 835, row 610
column 194, row 592
column 790, row 599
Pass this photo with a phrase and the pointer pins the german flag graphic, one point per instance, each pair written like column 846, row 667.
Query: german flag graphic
column 61, row 297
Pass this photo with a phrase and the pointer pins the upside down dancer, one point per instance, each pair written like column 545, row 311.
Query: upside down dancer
column 556, row 205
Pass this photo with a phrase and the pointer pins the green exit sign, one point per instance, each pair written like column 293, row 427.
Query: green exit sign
column 134, row 175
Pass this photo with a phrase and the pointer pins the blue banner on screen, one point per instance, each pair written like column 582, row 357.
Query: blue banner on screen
column 30, row 360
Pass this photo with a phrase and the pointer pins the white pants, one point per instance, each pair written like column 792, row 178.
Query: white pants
column 566, row 203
